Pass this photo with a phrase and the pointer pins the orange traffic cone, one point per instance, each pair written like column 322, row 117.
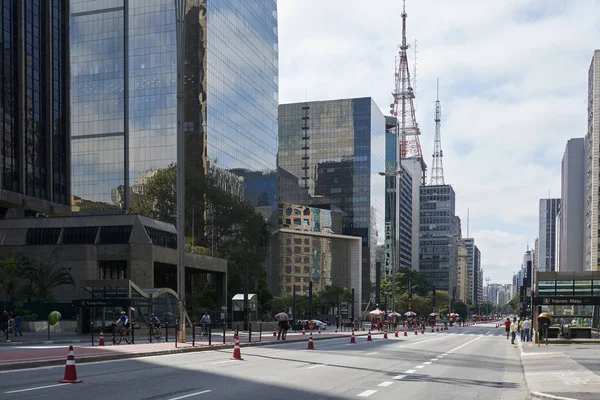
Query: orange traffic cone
column 101, row 340
column 70, row 369
column 319, row 330
column 303, row 331
column 422, row 330
column 396, row 334
column 405, row 331
column 385, row 334
column 416, row 332
column 369, row 337
column 352, row 339
column 311, row 345
column 237, row 353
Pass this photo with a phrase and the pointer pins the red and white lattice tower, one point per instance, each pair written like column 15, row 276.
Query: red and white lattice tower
column 403, row 107
column 437, row 165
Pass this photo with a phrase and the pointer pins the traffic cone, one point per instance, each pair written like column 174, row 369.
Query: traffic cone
column 335, row 330
column 422, row 330
column 385, row 334
column 101, row 340
column 432, row 329
column 303, row 331
column 319, row 330
column 70, row 369
column 311, row 345
column 396, row 334
column 352, row 339
column 274, row 332
column 369, row 337
column 416, row 332
column 237, row 353
column 405, row 331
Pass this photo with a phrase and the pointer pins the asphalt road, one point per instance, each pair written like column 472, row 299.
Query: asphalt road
column 464, row 363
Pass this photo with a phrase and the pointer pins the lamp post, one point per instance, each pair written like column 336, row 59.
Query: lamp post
column 180, row 9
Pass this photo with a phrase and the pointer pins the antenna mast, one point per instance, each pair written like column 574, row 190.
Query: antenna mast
column 468, row 223
column 403, row 107
column 437, row 169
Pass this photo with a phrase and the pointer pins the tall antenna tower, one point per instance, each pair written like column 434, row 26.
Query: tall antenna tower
column 403, row 107
column 437, row 168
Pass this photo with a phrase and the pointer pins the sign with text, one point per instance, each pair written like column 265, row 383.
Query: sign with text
column 566, row 301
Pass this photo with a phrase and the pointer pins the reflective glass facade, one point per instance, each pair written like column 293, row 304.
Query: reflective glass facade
column 336, row 150
column 440, row 231
column 34, row 104
column 124, row 91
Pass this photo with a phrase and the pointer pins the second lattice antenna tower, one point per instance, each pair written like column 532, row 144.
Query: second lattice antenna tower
column 437, row 166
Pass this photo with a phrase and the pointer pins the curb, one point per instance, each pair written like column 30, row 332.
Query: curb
column 110, row 357
column 544, row 396
column 62, row 341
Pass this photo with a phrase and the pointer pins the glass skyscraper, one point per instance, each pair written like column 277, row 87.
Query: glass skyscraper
column 335, row 149
column 34, row 107
column 123, row 61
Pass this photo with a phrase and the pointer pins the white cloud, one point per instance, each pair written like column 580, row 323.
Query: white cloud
column 513, row 79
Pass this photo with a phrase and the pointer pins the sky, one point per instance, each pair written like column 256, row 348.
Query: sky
column 513, row 89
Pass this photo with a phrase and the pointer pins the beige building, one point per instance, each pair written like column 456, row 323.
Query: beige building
column 592, row 168
column 463, row 276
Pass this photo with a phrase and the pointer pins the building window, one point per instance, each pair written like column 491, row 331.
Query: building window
column 80, row 235
column 41, row 236
column 112, row 269
column 162, row 238
column 115, row 234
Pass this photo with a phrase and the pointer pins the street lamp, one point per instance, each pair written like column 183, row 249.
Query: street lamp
column 180, row 9
column 394, row 225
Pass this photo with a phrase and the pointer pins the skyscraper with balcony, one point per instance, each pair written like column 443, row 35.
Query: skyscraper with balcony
column 335, row 149
column 547, row 234
column 34, row 108
column 124, row 83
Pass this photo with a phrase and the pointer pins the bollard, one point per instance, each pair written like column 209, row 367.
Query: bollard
column 193, row 335
column 92, row 324
column 223, row 333
column 150, row 330
column 132, row 332
column 249, row 332
column 176, row 331
column 237, row 329
column 260, row 331
column 6, row 330
column 114, row 338
column 166, row 332
column 209, row 334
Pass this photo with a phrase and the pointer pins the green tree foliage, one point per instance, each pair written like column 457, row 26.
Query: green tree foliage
column 44, row 276
column 461, row 308
column 515, row 304
column 234, row 228
column 11, row 273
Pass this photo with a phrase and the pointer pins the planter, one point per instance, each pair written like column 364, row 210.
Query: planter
column 553, row 332
column 579, row 332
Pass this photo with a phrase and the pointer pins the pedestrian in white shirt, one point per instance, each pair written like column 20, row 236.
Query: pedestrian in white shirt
column 527, row 329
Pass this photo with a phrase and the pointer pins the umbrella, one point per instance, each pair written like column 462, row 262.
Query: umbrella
column 453, row 314
column 410, row 314
column 377, row 311
column 394, row 314
column 433, row 314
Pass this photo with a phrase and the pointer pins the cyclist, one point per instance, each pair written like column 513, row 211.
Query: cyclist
column 205, row 322
column 124, row 321
column 154, row 321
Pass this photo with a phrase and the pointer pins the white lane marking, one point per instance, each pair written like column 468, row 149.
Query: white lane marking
column 398, row 377
column 190, row 395
column 549, row 396
column 440, row 357
column 410, row 371
column 223, row 362
column 420, row 366
column 367, row 393
column 445, row 354
column 434, row 359
column 427, row 362
column 317, row 366
column 37, row 388
column 385, row 384
column 421, row 341
column 370, row 354
column 488, row 332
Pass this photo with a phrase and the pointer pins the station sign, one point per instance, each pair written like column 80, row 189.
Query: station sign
column 567, row 301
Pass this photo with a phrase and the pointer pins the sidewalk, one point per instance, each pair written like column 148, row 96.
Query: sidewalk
column 556, row 371
column 32, row 358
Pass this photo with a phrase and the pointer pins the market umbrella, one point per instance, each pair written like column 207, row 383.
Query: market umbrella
column 433, row 314
column 377, row 311
column 410, row 314
column 394, row 314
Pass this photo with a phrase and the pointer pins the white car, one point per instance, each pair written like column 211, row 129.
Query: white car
column 318, row 324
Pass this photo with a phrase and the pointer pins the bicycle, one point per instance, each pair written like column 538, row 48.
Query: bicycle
column 122, row 333
column 153, row 333
column 203, row 331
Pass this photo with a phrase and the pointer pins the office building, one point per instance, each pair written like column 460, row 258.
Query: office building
column 557, row 239
column 124, row 84
column 592, row 168
column 405, row 245
column 463, row 276
column 336, row 149
column 547, row 234
column 571, row 244
column 307, row 247
column 474, row 269
column 34, row 108
column 440, row 233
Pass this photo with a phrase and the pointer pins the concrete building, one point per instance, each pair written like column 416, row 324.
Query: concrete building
column 463, row 276
column 440, row 233
column 335, row 148
column 547, row 234
column 305, row 248
column 123, row 80
column 592, row 168
column 35, row 173
column 122, row 247
column 571, row 245
column 557, row 239
column 475, row 289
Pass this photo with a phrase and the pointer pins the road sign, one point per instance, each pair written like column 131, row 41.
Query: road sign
column 567, row 301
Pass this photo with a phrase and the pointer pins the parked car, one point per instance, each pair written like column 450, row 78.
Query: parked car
column 318, row 324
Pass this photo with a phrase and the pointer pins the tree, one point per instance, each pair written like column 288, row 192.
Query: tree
column 10, row 273
column 515, row 304
column 461, row 308
column 44, row 276
column 159, row 198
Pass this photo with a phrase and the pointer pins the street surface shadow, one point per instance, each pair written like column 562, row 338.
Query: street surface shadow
column 460, row 381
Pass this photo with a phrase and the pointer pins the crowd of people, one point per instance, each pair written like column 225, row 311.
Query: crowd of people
column 521, row 327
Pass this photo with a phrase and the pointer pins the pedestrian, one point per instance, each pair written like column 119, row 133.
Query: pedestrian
column 282, row 322
column 507, row 327
column 513, row 330
column 527, row 329
column 4, row 324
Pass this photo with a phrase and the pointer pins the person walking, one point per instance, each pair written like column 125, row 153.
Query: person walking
column 282, row 321
column 513, row 330
column 527, row 330
column 18, row 320
column 507, row 327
